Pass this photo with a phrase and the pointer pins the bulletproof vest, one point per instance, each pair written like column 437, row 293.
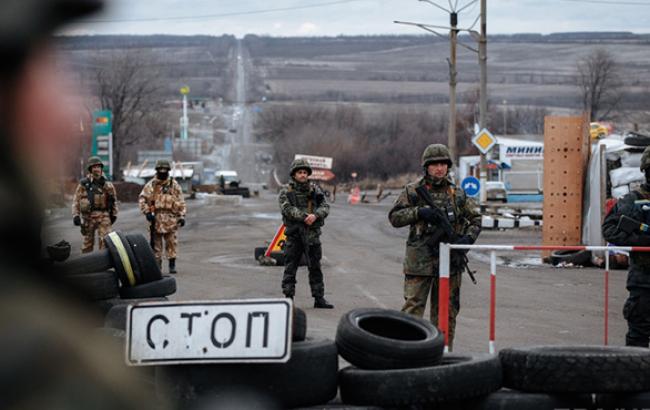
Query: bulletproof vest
column 98, row 198
column 444, row 199
column 163, row 198
column 307, row 201
column 641, row 260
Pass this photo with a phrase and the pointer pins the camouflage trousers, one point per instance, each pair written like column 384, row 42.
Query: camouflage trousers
column 637, row 313
column 171, row 243
column 418, row 288
column 99, row 222
column 293, row 252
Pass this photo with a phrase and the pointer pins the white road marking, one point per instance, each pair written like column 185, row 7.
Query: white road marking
column 371, row 297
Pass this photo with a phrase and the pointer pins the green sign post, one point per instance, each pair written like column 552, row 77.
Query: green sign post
column 103, row 139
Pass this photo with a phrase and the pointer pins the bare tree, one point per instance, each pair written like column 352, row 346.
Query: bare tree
column 126, row 84
column 599, row 84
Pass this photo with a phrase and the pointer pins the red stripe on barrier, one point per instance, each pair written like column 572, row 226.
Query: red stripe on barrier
column 443, row 308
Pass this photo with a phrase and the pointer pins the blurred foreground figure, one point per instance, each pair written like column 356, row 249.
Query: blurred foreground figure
column 50, row 355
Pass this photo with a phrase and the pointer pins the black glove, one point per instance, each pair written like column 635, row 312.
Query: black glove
column 76, row 220
column 150, row 216
column 181, row 222
column 464, row 240
column 113, row 219
column 427, row 214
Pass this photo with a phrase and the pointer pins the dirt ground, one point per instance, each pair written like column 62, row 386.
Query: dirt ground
column 536, row 303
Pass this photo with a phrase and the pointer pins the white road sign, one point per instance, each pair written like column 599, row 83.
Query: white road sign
column 238, row 331
column 316, row 162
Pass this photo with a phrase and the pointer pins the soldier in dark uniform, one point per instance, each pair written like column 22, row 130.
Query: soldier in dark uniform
column 635, row 205
column 426, row 233
column 304, row 210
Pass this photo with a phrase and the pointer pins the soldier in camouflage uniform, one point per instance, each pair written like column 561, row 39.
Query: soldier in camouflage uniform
column 304, row 210
column 635, row 205
column 425, row 235
column 94, row 207
column 162, row 202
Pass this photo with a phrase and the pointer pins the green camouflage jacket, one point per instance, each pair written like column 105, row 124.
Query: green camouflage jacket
column 309, row 198
column 422, row 245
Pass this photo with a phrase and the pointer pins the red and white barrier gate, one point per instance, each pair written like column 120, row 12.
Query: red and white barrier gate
column 443, row 295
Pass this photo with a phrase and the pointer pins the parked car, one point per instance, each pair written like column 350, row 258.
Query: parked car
column 229, row 183
column 597, row 131
column 496, row 191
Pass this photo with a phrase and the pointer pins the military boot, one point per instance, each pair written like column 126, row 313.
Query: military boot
column 322, row 303
column 172, row 265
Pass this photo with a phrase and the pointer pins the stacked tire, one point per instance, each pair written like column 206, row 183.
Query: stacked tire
column 309, row 378
column 397, row 361
column 543, row 377
column 124, row 272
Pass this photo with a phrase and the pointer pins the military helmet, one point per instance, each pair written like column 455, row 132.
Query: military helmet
column 645, row 159
column 300, row 164
column 163, row 163
column 436, row 153
column 92, row 161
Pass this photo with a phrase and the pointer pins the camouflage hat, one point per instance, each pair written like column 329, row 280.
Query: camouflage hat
column 645, row 159
column 436, row 153
column 92, row 161
column 163, row 163
column 299, row 164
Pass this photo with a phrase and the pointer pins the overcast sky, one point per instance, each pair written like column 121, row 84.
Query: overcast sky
column 358, row 17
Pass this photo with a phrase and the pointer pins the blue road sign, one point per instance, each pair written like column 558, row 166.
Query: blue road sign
column 471, row 186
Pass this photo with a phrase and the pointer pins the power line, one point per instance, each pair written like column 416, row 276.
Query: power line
column 220, row 15
column 624, row 3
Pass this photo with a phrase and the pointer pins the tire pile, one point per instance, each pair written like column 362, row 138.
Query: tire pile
column 397, row 362
column 125, row 272
column 309, row 378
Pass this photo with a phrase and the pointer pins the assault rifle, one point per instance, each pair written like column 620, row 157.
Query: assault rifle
column 442, row 221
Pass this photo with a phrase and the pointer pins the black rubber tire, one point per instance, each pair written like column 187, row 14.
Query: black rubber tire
column 506, row 399
column 95, row 286
column 579, row 258
column 299, row 331
column 307, row 379
column 149, row 269
column 104, row 306
column 117, row 260
column 457, row 378
column 576, row 369
column 372, row 338
column 259, row 251
column 86, row 263
column 623, row 401
column 279, row 257
column 637, row 140
column 162, row 287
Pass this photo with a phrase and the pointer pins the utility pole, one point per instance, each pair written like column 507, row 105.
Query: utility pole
column 453, row 39
column 482, row 59
column 454, row 10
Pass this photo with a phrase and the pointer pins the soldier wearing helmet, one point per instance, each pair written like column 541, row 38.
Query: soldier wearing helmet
column 304, row 210
column 94, row 206
column 635, row 205
column 426, row 233
column 162, row 203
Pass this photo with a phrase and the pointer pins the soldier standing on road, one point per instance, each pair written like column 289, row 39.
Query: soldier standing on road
column 162, row 202
column 94, row 207
column 635, row 205
column 304, row 210
column 426, row 233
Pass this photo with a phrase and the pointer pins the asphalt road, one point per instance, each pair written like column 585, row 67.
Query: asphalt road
column 537, row 304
